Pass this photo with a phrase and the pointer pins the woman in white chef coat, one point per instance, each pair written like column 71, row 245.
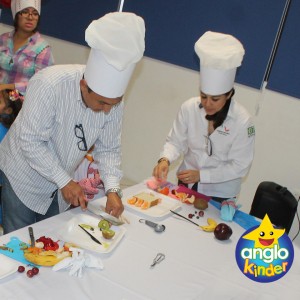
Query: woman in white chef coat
column 213, row 132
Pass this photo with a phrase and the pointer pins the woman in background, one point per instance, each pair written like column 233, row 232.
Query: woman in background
column 23, row 51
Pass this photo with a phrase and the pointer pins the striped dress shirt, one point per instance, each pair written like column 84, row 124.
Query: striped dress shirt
column 41, row 150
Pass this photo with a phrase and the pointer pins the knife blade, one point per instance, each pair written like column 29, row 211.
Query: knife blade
column 32, row 240
column 99, row 212
column 92, row 237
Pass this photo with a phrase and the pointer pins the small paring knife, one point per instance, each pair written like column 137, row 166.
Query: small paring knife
column 32, row 240
column 92, row 237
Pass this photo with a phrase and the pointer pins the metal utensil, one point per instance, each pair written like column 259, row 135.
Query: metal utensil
column 92, row 237
column 32, row 240
column 184, row 217
column 157, row 227
column 158, row 258
column 99, row 212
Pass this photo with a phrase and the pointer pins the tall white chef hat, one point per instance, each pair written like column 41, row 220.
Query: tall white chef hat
column 220, row 55
column 18, row 5
column 117, row 42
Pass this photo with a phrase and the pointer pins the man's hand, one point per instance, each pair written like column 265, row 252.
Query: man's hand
column 114, row 205
column 73, row 194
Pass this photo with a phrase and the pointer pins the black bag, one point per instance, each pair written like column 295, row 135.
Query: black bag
column 276, row 201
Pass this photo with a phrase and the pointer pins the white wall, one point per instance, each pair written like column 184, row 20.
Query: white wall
column 153, row 99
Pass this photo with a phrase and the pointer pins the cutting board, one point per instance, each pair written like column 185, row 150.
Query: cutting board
column 17, row 254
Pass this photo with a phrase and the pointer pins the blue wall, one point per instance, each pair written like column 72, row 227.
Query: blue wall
column 173, row 27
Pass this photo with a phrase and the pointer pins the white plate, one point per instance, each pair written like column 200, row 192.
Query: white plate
column 158, row 211
column 72, row 233
column 8, row 266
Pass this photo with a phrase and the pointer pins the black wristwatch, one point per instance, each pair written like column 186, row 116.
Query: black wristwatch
column 115, row 190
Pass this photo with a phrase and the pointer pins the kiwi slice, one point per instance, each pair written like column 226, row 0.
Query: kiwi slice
column 103, row 225
column 86, row 226
column 108, row 233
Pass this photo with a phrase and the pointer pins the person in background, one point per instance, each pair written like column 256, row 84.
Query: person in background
column 213, row 132
column 10, row 106
column 9, row 109
column 88, row 177
column 68, row 109
column 23, row 51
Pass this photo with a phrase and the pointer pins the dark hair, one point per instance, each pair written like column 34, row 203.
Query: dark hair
column 219, row 117
column 16, row 106
column 16, row 23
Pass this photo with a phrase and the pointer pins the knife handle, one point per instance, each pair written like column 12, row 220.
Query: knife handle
column 31, row 236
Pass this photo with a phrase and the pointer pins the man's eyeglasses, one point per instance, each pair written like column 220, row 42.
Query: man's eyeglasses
column 208, row 145
column 26, row 13
column 80, row 134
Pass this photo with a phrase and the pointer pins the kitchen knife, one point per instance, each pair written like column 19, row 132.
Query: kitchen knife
column 92, row 237
column 32, row 240
column 99, row 212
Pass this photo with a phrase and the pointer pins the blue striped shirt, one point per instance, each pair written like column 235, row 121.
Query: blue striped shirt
column 40, row 153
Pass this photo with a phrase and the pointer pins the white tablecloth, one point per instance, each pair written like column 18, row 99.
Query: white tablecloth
column 197, row 266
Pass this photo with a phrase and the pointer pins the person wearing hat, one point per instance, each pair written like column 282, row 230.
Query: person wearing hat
column 23, row 51
column 213, row 132
column 68, row 109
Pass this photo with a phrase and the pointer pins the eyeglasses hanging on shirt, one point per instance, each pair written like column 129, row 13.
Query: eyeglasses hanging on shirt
column 82, row 146
column 208, row 145
column 207, row 140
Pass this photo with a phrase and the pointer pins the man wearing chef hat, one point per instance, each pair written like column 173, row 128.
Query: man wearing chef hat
column 67, row 109
column 214, row 133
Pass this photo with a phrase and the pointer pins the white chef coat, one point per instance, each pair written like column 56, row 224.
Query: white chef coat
column 232, row 147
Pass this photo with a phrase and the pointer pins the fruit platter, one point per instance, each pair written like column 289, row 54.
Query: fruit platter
column 151, row 203
column 178, row 192
column 46, row 252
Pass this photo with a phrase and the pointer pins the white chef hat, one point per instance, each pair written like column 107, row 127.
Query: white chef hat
column 118, row 43
column 18, row 5
column 220, row 55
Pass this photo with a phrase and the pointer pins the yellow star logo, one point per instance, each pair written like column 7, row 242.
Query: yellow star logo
column 265, row 235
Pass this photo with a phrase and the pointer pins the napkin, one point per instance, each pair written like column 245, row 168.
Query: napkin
column 228, row 209
column 78, row 262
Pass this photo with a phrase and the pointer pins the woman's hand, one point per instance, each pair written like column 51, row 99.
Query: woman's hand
column 8, row 86
column 160, row 172
column 189, row 176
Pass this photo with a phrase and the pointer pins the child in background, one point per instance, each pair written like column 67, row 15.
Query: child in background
column 88, row 177
column 10, row 105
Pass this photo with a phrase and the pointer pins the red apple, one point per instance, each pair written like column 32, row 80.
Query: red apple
column 223, row 232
